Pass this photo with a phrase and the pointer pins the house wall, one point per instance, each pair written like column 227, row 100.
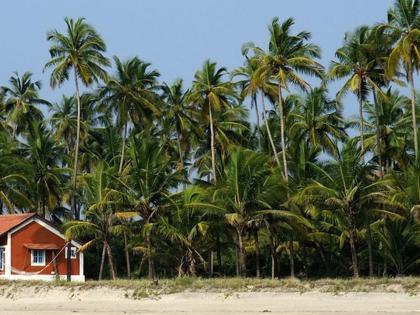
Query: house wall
column 36, row 233
column 3, row 242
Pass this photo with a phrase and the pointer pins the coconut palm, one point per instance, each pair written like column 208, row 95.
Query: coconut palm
column 21, row 102
column 344, row 189
column 289, row 55
column 404, row 26
column 131, row 95
column 253, row 81
column 357, row 63
column 212, row 94
column 179, row 116
column 150, row 175
column 317, row 120
column 46, row 175
column 101, row 196
column 81, row 50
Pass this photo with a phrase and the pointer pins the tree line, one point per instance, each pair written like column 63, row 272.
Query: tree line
column 165, row 180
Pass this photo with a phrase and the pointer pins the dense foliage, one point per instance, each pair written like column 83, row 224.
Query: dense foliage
column 167, row 180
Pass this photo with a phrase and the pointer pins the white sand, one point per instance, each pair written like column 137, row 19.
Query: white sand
column 106, row 301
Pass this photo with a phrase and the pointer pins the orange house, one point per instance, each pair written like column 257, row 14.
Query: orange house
column 31, row 248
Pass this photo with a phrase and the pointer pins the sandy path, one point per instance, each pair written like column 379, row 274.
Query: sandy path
column 111, row 302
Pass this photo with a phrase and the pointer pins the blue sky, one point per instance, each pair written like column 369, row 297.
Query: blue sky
column 175, row 36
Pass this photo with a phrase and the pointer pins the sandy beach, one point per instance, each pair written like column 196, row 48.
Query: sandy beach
column 37, row 300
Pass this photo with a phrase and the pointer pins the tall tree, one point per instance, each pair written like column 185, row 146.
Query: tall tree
column 404, row 25
column 287, row 57
column 212, row 93
column 81, row 50
column 131, row 95
column 21, row 100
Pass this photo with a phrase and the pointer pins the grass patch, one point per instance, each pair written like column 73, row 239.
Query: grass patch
column 139, row 289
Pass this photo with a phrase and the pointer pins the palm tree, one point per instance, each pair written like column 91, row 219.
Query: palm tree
column 317, row 120
column 212, row 93
column 131, row 95
column 21, row 100
column 79, row 50
column 179, row 116
column 184, row 227
column 150, row 176
column 357, row 63
column 101, row 195
column 289, row 55
column 404, row 26
column 45, row 173
column 344, row 190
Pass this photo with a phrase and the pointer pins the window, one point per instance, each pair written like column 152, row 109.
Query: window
column 73, row 253
column 2, row 260
column 38, row 257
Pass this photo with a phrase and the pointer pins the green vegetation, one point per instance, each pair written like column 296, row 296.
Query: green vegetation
column 164, row 180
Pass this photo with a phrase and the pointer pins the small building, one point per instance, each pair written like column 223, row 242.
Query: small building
column 31, row 248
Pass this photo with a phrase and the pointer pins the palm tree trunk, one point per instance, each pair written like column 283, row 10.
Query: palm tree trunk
column 292, row 258
column 123, row 148
column 369, row 244
column 282, row 135
column 76, row 150
column 181, row 154
column 213, row 158
column 378, row 136
column 110, row 261
column 150, row 257
column 270, row 137
column 219, row 254
column 362, row 125
column 257, row 254
column 241, row 254
column 101, row 267
column 257, row 115
column 127, row 255
column 413, row 110
column 353, row 254
column 273, row 253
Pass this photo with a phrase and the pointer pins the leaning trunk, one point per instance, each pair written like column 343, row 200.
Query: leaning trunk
column 413, row 110
column 378, row 136
column 282, row 135
column 270, row 137
column 110, row 261
column 76, row 151
column 213, row 158
column 101, row 267
column 124, row 140
column 127, row 255
column 257, row 115
column 362, row 125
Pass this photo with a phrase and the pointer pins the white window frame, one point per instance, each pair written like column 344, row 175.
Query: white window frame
column 73, row 253
column 2, row 257
column 32, row 257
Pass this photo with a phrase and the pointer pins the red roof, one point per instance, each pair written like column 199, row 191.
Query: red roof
column 9, row 221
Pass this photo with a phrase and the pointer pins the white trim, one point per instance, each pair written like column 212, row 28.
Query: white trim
column 2, row 260
column 74, row 278
column 32, row 257
column 8, row 270
column 73, row 251
column 45, row 225
column 81, row 265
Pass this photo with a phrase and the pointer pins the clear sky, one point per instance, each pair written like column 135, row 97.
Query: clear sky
column 175, row 36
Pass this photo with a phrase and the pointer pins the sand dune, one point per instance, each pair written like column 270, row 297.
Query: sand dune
column 33, row 300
